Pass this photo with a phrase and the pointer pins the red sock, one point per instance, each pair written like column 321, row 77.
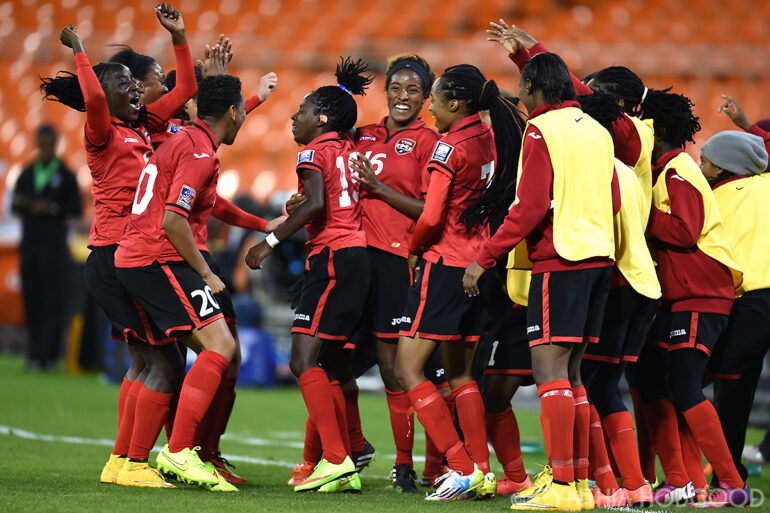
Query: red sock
column 644, row 443
column 169, row 425
column 581, row 433
column 341, row 414
column 503, row 432
column 693, row 459
column 664, row 432
column 151, row 413
column 434, row 416
column 311, row 452
column 402, row 423
column 223, row 407
column 126, row 426
column 470, row 410
column 598, row 458
column 619, row 428
column 354, row 421
column 557, row 417
column 198, row 390
column 319, row 400
column 433, row 458
column 125, row 386
column 704, row 423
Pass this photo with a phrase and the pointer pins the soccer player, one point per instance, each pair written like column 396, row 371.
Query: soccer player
column 561, row 143
column 698, row 274
column 117, row 140
column 336, row 284
column 160, row 263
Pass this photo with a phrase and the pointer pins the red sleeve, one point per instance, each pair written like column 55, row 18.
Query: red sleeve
column 616, row 199
column 435, row 201
column 232, row 215
column 534, row 193
column 628, row 145
column 192, row 175
column 252, row 103
column 682, row 225
column 159, row 112
column 756, row 130
column 520, row 58
column 98, row 121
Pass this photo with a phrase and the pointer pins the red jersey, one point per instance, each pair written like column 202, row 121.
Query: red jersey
column 399, row 160
column 466, row 155
column 181, row 177
column 338, row 225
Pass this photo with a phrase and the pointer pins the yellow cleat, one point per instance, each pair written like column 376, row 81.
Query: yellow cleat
column 223, row 485
column 541, row 480
column 553, row 497
column 112, row 469
column 585, row 494
column 141, row 474
column 187, row 466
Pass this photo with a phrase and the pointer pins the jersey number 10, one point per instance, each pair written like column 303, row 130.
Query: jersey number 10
column 344, row 174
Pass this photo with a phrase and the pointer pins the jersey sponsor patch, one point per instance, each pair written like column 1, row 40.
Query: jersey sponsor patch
column 442, row 152
column 172, row 128
column 186, row 197
column 305, row 156
column 404, row 146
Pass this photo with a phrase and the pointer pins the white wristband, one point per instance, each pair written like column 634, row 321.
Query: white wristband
column 272, row 240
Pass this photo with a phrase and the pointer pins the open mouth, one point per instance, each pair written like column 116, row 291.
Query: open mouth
column 134, row 102
column 403, row 108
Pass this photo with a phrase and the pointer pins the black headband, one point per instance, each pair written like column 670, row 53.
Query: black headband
column 414, row 66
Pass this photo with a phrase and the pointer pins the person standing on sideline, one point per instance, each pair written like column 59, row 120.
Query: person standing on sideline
column 45, row 196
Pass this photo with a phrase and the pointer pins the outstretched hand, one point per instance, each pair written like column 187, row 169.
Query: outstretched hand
column 267, row 85
column 362, row 171
column 735, row 112
column 510, row 36
column 69, row 37
column 216, row 59
column 170, row 18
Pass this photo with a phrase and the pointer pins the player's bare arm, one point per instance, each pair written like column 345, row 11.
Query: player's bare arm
column 179, row 233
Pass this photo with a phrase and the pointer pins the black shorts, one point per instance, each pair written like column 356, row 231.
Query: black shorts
column 224, row 298
column 747, row 337
column 695, row 330
column 510, row 346
column 124, row 313
column 437, row 307
column 173, row 294
column 567, row 306
column 391, row 278
column 334, row 292
column 627, row 321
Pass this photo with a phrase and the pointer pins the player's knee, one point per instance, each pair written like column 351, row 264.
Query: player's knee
column 300, row 364
column 459, row 380
column 406, row 376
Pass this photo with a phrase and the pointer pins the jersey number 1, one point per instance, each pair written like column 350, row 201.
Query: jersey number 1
column 345, row 196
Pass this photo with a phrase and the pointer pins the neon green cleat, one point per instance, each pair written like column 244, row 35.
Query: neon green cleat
column 350, row 484
column 187, row 466
column 112, row 469
column 488, row 488
column 222, row 486
column 326, row 472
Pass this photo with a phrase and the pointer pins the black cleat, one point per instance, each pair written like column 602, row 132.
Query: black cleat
column 363, row 458
column 403, row 478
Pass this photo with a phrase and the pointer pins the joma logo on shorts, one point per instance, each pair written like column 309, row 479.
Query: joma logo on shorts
column 530, row 329
column 677, row 333
column 302, row 317
column 398, row 320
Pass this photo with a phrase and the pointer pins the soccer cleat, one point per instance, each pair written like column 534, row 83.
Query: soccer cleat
column 300, row 472
column 701, row 494
column 752, row 454
column 506, row 486
column 430, row 481
column 187, row 466
column 403, row 477
column 223, row 485
column 613, row 500
column 326, row 472
column 349, row 484
column 562, row 497
column 667, row 494
column 542, row 479
column 584, row 492
column 362, row 459
column 141, row 474
column 453, row 485
column 225, row 469
column 486, row 490
column 641, row 497
column 112, row 469
column 726, row 497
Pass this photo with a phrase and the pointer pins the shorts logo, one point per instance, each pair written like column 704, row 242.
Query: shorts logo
column 404, row 146
column 186, row 197
column 172, row 128
column 305, row 156
column 442, row 152
column 677, row 333
column 530, row 329
column 302, row 317
column 401, row 320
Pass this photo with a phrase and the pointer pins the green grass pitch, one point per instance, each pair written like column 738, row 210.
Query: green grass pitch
column 56, row 433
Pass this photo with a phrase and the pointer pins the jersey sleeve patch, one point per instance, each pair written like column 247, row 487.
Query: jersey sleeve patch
column 172, row 128
column 442, row 152
column 305, row 156
column 186, row 197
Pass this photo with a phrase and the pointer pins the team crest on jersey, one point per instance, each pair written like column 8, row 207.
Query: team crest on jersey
column 305, row 156
column 186, row 197
column 404, row 146
column 172, row 128
column 442, row 152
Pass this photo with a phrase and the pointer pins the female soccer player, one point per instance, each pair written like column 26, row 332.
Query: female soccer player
column 336, row 284
column 117, row 139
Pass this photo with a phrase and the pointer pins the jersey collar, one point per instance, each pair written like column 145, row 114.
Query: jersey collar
column 326, row 137
column 664, row 159
column 199, row 123
column 468, row 122
column 418, row 123
column 546, row 107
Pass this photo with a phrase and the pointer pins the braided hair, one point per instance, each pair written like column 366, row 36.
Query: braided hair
column 672, row 116
column 622, row 83
column 467, row 84
column 602, row 107
column 65, row 89
column 336, row 102
column 139, row 64
column 415, row 63
column 548, row 73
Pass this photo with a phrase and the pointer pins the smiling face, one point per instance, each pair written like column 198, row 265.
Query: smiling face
column 305, row 122
column 443, row 110
column 122, row 93
column 406, row 97
column 153, row 84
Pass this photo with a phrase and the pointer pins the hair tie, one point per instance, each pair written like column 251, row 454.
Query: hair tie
column 644, row 95
column 345, row 89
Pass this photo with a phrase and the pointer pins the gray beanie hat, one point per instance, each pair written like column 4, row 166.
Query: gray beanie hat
column 737, row 152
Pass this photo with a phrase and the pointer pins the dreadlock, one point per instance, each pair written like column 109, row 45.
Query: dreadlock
column 138, row 64
column 415, row 63
column 547, row 73
column 602, row 107
column 672, row 116
column 65, row 89
column 624, row 84
column 336, row 102
column 467, row 84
